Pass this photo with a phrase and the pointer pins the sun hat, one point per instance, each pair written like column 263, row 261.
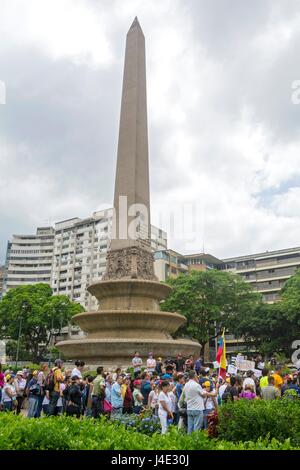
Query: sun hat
column 20, row 372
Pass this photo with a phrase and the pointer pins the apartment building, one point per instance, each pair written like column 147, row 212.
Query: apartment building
column 266, row 272
column 169, row 263
column 69, row 256
column 29, row 259
column 2, row 271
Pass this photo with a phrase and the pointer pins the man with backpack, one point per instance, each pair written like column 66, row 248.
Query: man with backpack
column 52, row 385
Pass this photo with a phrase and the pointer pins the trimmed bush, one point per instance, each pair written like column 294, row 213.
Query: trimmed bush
column 63, row 433
column 246, row 420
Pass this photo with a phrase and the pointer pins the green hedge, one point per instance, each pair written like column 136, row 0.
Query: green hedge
column 247, row 420
column 62, row 433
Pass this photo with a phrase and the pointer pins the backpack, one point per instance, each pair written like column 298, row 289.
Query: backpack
column 49, row 381
column 35, row 389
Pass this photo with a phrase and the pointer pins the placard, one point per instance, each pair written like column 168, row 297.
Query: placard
column 232, row 369
column 245, row 365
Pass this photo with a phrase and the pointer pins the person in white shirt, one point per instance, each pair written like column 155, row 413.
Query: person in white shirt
column 153, row 399
column 164, row 406
column 77, row 371
column 137, row 364
column 223, row 387
column 194, row 395
column 9, row 393
column 249, row 380
column 20, row 385
column 210, row 404
column 151, row 363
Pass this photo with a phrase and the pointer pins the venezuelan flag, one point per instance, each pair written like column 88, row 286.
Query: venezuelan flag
column 221, row 356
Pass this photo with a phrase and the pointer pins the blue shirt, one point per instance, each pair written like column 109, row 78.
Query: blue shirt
column 116, row 396
column 179, row 388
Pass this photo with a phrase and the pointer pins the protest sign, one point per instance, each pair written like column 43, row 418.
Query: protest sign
column 245, row 365
column 257, row 373
column 232, row 369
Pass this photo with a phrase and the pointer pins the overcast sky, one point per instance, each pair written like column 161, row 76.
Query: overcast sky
column 224, row 134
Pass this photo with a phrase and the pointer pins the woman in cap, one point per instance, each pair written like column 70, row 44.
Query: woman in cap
column 9, row 393
column 20, row 385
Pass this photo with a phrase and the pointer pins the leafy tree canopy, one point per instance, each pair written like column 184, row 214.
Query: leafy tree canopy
column 38, row 312
column 211, row 301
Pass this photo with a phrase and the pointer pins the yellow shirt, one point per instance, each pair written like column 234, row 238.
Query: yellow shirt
column 278, row 381
column 263, row 382
column 58, row 378
column 123, row 390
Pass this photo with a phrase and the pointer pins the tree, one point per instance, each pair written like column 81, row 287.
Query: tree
column 273, row 327
column 36, row 313
column 211, row 301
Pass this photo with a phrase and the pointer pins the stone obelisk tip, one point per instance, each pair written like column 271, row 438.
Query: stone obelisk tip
column 135, row 24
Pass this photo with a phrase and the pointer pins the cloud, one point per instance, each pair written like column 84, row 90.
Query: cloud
column 223, row 131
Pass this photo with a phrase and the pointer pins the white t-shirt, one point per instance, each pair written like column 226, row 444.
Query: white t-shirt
column 153, row 397
column 249, row 381
column 41, row 378
column 46, row 400
column 194, row 395
column 61, row 389
column 209, row 403
column 137, row 364
column 77, row 372
column 222, row 389
column 164, row 397
column 173, row 401
column 21, row 385
column 5, row 396
column 151, row 364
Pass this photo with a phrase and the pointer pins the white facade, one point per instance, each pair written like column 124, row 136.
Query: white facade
column 74, row 258
column 29, row 259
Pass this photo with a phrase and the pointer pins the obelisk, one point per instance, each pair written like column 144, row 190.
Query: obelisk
column 129, row 318
column 130, row 244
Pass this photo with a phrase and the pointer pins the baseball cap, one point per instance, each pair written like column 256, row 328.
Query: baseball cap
column 137, row 382
column 20, row 372
column 9, row 376
column 207, row 369
column 206, row 384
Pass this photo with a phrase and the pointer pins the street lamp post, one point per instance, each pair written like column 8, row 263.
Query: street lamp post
column 51, row 333
column 18, row 344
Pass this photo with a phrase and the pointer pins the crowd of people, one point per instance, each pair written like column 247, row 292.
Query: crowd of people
column 179, row 391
